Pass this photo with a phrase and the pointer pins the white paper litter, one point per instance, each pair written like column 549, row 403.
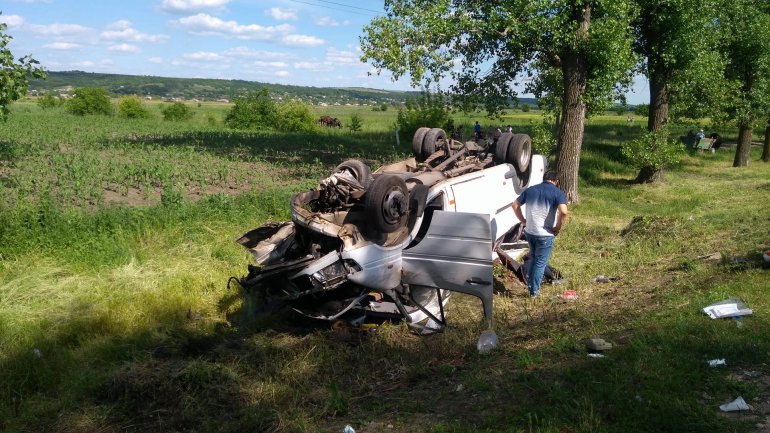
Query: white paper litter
column 735, row 405
column 715, row 362
column 596, row 355
column 727, row 308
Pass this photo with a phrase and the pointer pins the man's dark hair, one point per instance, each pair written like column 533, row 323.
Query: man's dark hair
column 552, row 176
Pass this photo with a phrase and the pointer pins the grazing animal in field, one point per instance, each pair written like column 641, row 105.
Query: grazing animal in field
column 329, row 122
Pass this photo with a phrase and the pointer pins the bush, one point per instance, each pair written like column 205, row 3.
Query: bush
column 525, row 108
column 384, row 107
column 642, row 110
column 255, row 110
column 355, row 123
column 652, row 151
column 621, row 109
column 543, row 139
column 425, row 110
column 177, row 112
column 49, row 100
column 133, row 108
column 90, row 100
column 294, row 116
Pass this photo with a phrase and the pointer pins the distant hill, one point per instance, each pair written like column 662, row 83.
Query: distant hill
column 206, row 89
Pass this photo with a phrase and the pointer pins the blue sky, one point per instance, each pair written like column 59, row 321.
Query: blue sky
column 302, row 42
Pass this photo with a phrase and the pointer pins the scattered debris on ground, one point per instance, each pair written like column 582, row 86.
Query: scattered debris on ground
column 732, row 307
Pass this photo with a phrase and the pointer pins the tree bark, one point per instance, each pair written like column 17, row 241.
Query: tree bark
column 766, row 147
column 575, row 76
column 744, row 145
column 656, row 120
column 658, row 101
column 649, row 174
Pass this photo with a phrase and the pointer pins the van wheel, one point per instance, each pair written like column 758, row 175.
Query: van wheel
column 501, row 148
column 386, row 203
column 360, row 171
column 430, row 140
column 419, row 135
column 520, row 152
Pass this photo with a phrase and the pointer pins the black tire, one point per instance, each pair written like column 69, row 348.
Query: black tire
column 358, row 169
column 520, row 152
column 501, row 147
column 430, row 140
column 419, row 135
column 386, row 203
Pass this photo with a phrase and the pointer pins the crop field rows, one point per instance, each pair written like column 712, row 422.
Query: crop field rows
column 116, row 245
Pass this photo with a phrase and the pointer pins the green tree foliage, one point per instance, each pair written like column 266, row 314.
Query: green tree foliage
column 49, row 100
column 620, row 109
column 355, row 123
column 384, row 107
column 525, row 108
column 642, row 110
column 177, row 112
column 426, row 109
column 652, row 151
column 576, row 51
column 677, row 41
column 746, row 47
column 14, row 74
column 132, row 107
column 543, row 139
column 254, row 110
column 294, row 116
column 89, row 100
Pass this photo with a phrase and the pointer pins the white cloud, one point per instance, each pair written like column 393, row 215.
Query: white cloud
column 107, row 62
column 250, row 53
column 339, row 57
column 155, row 60
column 262, row 64
column 302, row 41
column 85, row 64
column 58, row 29
column 119, row 25
column 12, row 21
column 330, row 22
column 204, row 24
column 183, row 6
column 204, row 56
column 62, row 46
column 126, row 33
column 124, row 48
column 313, row 66
column 282, row 14
column 281, row 73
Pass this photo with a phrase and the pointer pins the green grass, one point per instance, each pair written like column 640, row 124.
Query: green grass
column 116, row 315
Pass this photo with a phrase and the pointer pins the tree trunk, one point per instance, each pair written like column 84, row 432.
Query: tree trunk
column 766, row 147
column 658, row 101
column 656, row 120
column 744, row 145
column 648, row 174
column 573, row 109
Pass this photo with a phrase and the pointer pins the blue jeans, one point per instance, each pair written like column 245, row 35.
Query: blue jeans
column 540, row 250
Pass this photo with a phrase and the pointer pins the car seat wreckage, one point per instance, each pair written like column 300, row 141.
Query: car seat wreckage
column 394, row 243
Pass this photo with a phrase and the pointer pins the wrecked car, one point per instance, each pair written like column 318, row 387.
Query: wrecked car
column 396, row 242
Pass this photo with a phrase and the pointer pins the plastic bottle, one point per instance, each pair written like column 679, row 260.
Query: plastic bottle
column 487, row 341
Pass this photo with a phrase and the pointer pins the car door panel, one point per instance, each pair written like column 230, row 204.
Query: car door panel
column 455, row 254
